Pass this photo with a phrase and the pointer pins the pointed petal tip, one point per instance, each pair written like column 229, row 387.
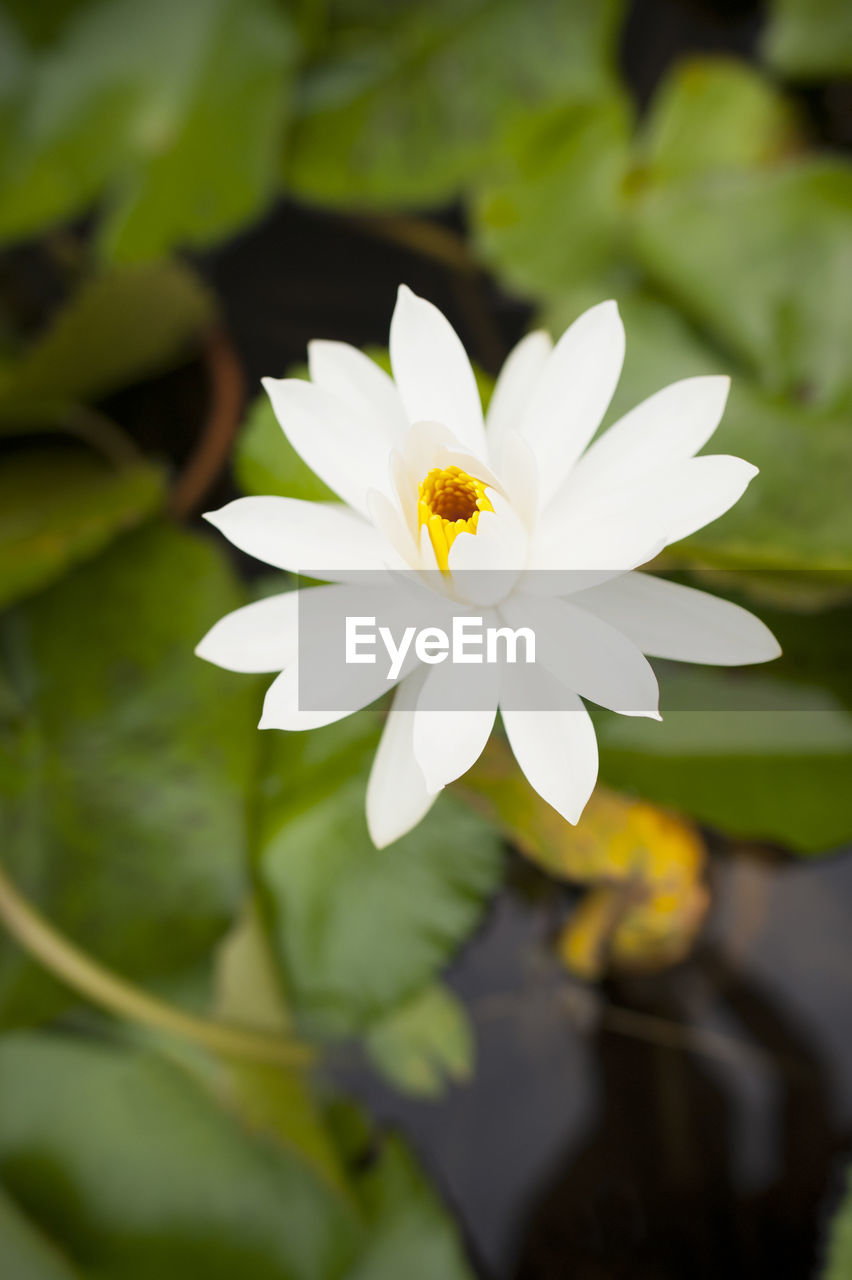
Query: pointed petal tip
column 383, row 838
column 318, row 347
column 406, row 302
column 719, row 386
column 405, row 298
column 383, row 834
column 713, row 384
column 573, row 816
column 607, row 311
column 265, row 721
column 771, row 649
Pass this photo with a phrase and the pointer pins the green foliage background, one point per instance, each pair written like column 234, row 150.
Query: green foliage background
column 142, row 813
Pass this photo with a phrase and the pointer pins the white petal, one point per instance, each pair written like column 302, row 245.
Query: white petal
column 319, row 539
column 321, row 686
column 695, row 493
column 572, row 394
column 556, row 582
column 392, row 524
column 514, row 388
column 485, row 565
column 610, row 537
column 519, row 477
column 346, row 447
column 262, row 636
column 432, row 371
column 668, row 620
column 668, row 427
column 430, row 444
column 624, row 528
column 351, row 376
column 586, row 654
column 282, row 707
column 397, row 797
column 449, row 739
column 556, row 750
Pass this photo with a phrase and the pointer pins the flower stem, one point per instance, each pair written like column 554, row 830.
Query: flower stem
column 106, row 989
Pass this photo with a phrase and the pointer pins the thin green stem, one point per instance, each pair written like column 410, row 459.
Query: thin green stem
column 106, row 989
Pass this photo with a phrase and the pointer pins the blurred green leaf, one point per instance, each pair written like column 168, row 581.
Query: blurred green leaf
column 755, row 755
column 751, row 242
column 406, row 1227
column 529, row 223
column 27, row 1254
column 761, row 260
column 715, row 114
column 809, row 39
column 410, row 102
column 137, row 1172
column 42, row 22
column 424, row 1044
column 710, row 206
column 119, row 327
column 794, row 514
column 411, row 1233
column 359, row 930
column 14, row 70
column 124, row 763
column 266, row 462
column 555, row 213
column 173, row 112
column 60, row 506
column 838, row 1263
column 269, row 1100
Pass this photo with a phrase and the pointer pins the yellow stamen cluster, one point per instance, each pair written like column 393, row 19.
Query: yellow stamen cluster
column 448, row 503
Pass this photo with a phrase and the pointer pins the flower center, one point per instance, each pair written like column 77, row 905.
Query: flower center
column 448, row 503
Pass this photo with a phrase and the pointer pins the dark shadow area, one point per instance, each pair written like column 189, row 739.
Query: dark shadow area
column 691, row 1123
column 654, row 1194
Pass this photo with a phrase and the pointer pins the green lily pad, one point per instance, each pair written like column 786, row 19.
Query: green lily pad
column 172, row 114
column 410, row 103
column 424, row 1044
column 60, row 506
column 809, row 39
column 124, row 763
column 360, row 930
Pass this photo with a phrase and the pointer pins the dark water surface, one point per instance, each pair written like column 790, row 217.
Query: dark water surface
column 691, row 1124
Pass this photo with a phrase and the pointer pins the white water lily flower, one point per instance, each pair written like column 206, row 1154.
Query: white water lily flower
column 429, row 484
